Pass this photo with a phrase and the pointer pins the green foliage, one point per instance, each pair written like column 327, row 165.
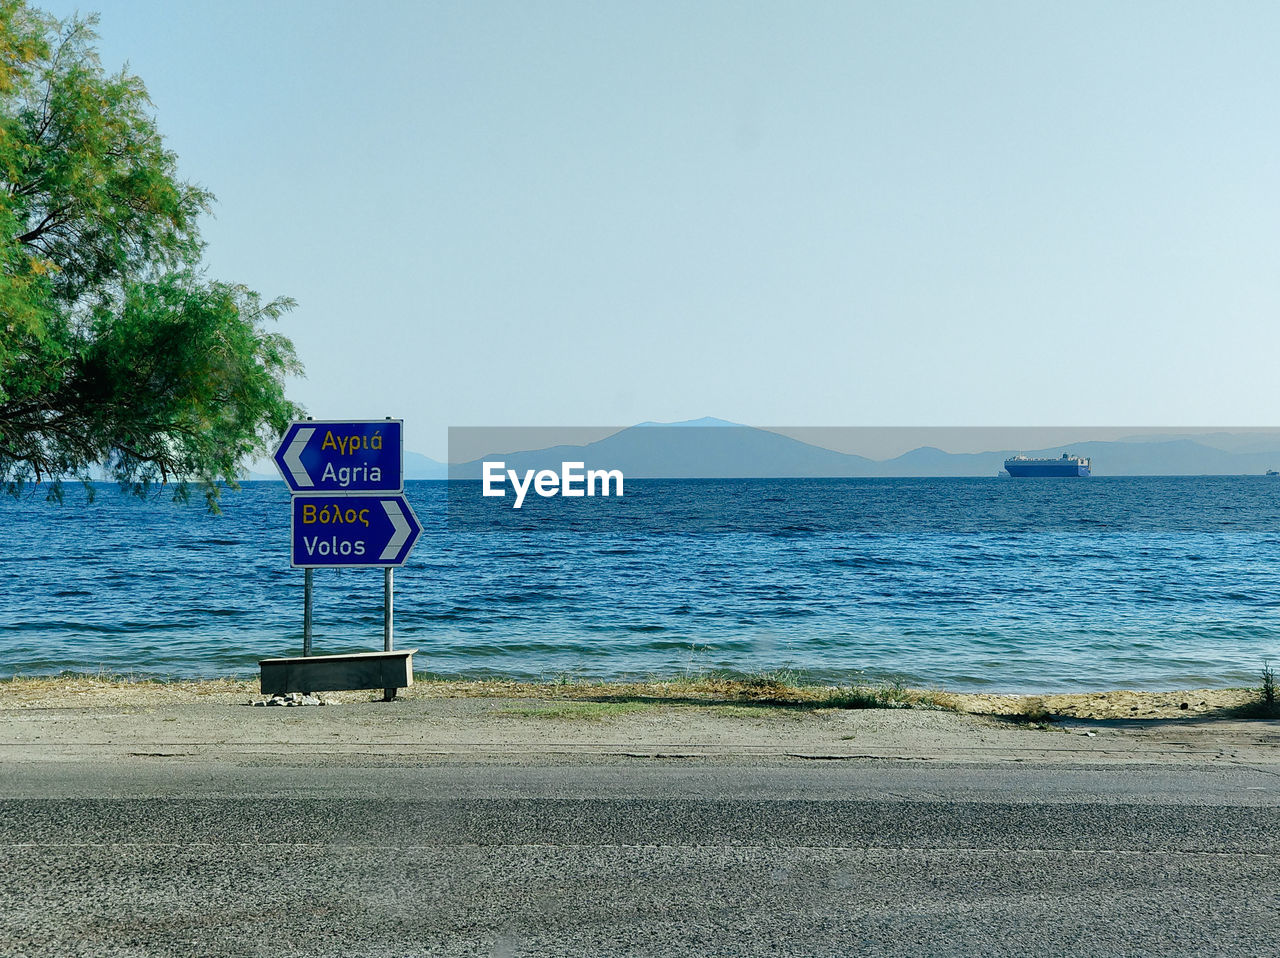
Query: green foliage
column 115, row 349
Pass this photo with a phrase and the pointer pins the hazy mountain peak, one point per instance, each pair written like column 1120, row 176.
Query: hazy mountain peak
column 704, row 421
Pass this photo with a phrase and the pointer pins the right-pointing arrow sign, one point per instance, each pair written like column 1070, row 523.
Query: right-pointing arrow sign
column 395, row 509
column 337, row 531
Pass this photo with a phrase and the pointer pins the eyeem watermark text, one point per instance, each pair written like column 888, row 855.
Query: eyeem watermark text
column 573, row 479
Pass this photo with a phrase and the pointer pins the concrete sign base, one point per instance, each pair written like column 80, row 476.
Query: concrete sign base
column 337, row 673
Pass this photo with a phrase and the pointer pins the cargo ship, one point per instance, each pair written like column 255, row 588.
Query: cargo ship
column 1067, row 465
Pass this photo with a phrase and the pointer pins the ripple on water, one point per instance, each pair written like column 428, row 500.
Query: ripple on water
column 922, row 580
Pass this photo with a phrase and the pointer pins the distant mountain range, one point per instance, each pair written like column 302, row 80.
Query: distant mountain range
column 712, row 448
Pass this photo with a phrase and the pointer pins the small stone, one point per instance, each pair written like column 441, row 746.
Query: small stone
column 1184, row 705
column 308, row 700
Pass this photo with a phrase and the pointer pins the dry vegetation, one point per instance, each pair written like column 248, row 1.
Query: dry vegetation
column 1122, row 704
column 780, row 691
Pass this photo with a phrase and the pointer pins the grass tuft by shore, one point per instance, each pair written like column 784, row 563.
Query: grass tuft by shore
column 762, row 690
column 94, row 685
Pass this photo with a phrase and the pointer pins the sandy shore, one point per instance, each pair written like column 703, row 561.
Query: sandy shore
column 92, row 721
column 91, row 692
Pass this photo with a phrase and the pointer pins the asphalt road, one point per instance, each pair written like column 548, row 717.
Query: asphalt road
column 637, row 857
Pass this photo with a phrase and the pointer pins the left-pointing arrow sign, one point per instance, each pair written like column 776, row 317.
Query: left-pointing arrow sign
column 343, row 456
column 352, row 531
column 293, row 457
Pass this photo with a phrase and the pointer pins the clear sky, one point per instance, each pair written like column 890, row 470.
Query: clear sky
column 853, row 214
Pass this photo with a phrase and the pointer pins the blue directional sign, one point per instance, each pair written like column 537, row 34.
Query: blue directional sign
column 345, row 531
column 343, row 457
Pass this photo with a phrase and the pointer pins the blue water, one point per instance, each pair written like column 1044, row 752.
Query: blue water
column 966, row 584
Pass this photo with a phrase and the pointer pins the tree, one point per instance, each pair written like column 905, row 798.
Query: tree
column 116, row 349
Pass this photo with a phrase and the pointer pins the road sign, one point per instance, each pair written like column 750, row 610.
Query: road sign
column 345, row 531
column 343, row 456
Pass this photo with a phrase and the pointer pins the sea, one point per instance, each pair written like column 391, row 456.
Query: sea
column 965, row 584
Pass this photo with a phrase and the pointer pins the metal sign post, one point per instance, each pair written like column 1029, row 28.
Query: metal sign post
column 306, row 611
column 388, row 617
column 388, row 613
